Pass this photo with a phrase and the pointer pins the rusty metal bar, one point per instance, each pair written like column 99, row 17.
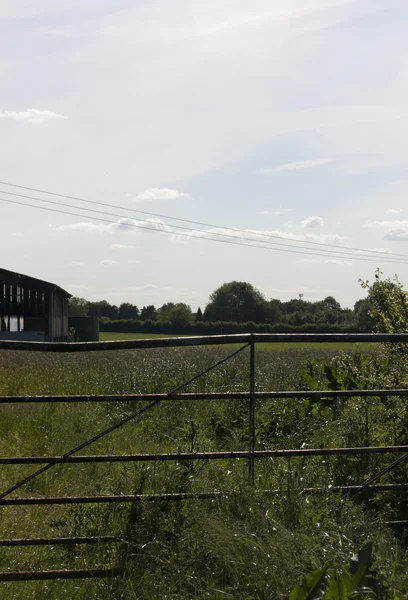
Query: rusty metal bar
column 108, row 458
column 126, row 397
column 209, row 340
column 384, row 471
column 30, row 501
column 395, row 523
column 252, row 414
column 62, row 574
column 208, row 396
column 102, row 539
column 117, row 425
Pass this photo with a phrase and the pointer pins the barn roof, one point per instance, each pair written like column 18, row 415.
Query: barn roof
column 26, row 279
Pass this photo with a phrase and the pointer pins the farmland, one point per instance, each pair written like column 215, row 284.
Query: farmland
column 107, row 336
column 246, row 546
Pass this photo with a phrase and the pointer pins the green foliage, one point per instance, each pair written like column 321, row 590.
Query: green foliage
column 163, row 325
column 148, row 313
column 78, row 307
column 248, row 546
column 363, row 320
column 180, row 317
column 128, row 311
column 341, row 584
column 236, row 301
column 388, row 301
column 72, row 336
column 311, row 586
column 240, row 303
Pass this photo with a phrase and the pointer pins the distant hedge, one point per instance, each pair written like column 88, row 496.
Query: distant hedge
column 214, row 328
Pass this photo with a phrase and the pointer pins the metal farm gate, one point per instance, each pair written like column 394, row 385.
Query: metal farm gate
column 41, row 464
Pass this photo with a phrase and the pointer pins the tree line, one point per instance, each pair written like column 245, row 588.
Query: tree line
column 232, row 304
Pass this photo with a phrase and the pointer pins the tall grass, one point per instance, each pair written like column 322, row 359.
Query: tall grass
column 245, row 546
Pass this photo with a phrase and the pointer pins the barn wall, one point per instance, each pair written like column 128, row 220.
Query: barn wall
column 26, row 336
column 28, row 306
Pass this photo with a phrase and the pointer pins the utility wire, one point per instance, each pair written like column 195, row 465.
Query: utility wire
column 219, row 234
column 200, row 223
column 192, row 236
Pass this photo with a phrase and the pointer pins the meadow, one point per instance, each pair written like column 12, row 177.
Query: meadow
column 109, row 336
column 250, row 545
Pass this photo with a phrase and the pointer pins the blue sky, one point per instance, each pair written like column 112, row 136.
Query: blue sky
column 278, row 117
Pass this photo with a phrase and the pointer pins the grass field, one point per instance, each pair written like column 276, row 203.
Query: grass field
column 249, row 547
column 106, row 336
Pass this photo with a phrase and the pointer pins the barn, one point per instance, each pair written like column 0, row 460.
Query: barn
column 32, row 309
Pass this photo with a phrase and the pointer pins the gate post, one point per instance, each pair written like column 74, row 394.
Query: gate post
column 252, row 414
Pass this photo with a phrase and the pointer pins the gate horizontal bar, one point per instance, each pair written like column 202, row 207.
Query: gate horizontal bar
column 62, row 574
column 387, row 487
column 395, row 523
column 102, row 539
column 209, row 340
column 29, row 460
column 322, row 394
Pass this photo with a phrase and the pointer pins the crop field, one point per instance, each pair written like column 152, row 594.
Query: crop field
column 250, row 545
column 108, row 336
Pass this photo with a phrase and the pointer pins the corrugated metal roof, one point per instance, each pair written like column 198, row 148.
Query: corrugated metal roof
column 28, row 279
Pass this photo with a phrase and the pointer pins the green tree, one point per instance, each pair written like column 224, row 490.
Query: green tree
column 180, row 316
column 163, row 311
column 236, row 301
column 362, row 317
column 199, row 314
column 273, row 311
column 78, row 307
column 148, row 313
column 388, row 304
column 103, row 308
column 128, row 311
column 330, row 310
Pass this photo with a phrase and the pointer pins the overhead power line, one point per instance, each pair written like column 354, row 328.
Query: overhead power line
column 192, row 236
column 200, row 223
column 183, row 227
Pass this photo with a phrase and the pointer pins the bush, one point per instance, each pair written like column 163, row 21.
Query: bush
column 215, row 328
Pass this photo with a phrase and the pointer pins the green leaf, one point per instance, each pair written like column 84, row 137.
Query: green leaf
column 360, row 565
column 310, row 382
column 333, row 377
column 336, row 588
column 348, row 582
column 310, row 587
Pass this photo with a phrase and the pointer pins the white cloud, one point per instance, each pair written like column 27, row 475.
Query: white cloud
column 109, row 263
column 382, row 250
column 31, row 115
column 312, row 222
column 386, row 224
column 395, row 231
column 161, row 194
column 277, row 212
column 396, row 235
column 295, row 166
column 342, row 262
column 122, row 225
column 119, row 246
column 393, row 211
column 84, row 227
column 76, row 263
column 256, row 235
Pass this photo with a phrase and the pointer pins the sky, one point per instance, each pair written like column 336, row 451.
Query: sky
column 277, row 124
